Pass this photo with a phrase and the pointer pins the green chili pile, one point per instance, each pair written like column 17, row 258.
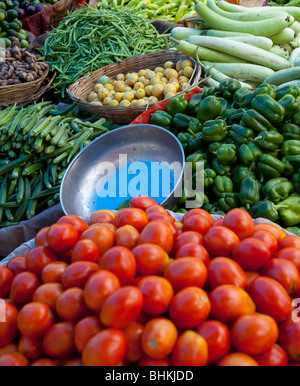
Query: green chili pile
column 90, row 38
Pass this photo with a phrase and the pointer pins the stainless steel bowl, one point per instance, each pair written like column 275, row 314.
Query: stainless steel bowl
column 83, row 190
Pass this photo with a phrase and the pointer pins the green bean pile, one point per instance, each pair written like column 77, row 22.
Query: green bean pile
column 90, row 38
column 36, row 145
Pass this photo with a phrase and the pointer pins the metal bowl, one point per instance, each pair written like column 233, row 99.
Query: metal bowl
column 83, row 189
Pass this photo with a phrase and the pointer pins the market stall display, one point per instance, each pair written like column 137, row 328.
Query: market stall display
column 11, row 27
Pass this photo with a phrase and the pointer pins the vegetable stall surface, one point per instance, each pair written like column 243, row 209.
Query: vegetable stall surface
column 94, row 297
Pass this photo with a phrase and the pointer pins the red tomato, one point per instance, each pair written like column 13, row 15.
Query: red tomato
column 187, row 238
column 38, row 258
column 85, row 330
column 6, row 278
column 109, row 226
column 121, row 262
column 17, row 265
column 24, row 286
column 102, row 216
column 238, row 360
column 240, row 222
column 34, row 319
column 157, row 293
column 99, row 286
column 254, row 334
column 150, row 259
column 189, row 308
column 9, row 327
column 134, row 342
column 103, row 237
column 122, row 307
column 197, row 224
column 229, row 303
column 74, row 363
column 142, row 203
column 251, row 276
column 190, row 350
column 53, row 272
column 8, row 349
column 66, row 256
column 289, row 338
column 158, row 233
column 77, row 274
column 31, row 348
column 273, row 357
column 107, row 348
column 220, row 241
column 76, row 223
column 271, row 298
column 289, row 242
column 252, row 254
column 158, row 338
column 198, row 212
column 156, row 208
column 15, row 359
column 147, row 361
column 292, row 254
column 157, row 216
column 70, row 306
column 48, row 294
column 85, row 250
column 274, row 229
column 268, row 239
column 127, row 236
column 194, row 250
column 131, row 216
column 186, row 272
column 45, row 362
column 222, row 270
column 217, row 337
column 285, row 272
column 41, row 238
column 58, row 342
column 218, row 223
column 61, row 237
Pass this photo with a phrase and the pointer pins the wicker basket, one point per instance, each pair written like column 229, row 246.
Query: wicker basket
column 60, row 10
column 81, row 89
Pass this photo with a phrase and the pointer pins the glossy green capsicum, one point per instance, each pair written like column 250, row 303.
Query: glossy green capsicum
column 195, row 126
column 270, row 166
column 290, row 131
column 162, row 118
column 249, row 153
column 229, row 202
column 240, row 174
column 269, row 140
column 268, row 107
column 228, row 87
column 177, row 105
column 226, row 154
column 291, row 148
column 296, row 119
column 265, row 209
column 233, row 116
column 195, row 143
column 196, row 158
column 277, row 189
column 222, row 186
column 289, row 168
column 290, row 211
column 209, row 176
column 220, row 169
column 209, row 109
column 244, row 97
column 296, row 181
column 194, row 103
column 290, row 105
column 181, row 121
column 240, row 134
column 255, row 121
column 287, row 90
column 294, row 230
column 215, row 131
column 268, row 89
column 250, row 192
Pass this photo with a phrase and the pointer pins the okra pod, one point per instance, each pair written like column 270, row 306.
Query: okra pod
column 3, row 195
column 28, row 170
column 18, row 162
column 21, row 187
column 33, row 203
column 24, row 204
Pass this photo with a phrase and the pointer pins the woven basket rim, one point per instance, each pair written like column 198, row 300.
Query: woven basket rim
column 21, row 85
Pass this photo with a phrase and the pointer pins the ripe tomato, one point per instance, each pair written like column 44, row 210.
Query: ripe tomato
column 121, row 262
column 187, row 238
column 66, row 256
column 240, row 222
column 159, row 338
column 31, row 348
column 268, row 239
column 271, row 298
column 238, row 360
column 76, row 223
column 85, row 250
column 61, row 237
column 254, row 334
column 157, row 294
column 15, row 359
column 229, row 302
column 158, row 233
column 194, row 250
column 34, row 319
column 186, row 272
column 292, row 254
column 147, row 361
column 251, row 276
column 150, row 259
column 102, row 216
column 131, row 216
column 107, row 348
column 133, row 335
column 41, row 238
column 24, row 286
column 222, row 270
column 70, row 306
column 142, row 203
column 217, row 337
column 289, row 338
column 220, row 241
column 198, row 212
column 197, row 224
column 58, row 342
column 189, row 308
column 98, row 287
column 85, row 330
column 127, row 236
column 252, row 254
column 53, row 272
column 48, row 294
column 289, row 242
column 74, row 363
column 122, row 307
column 6, row 278
column 17, row 265
column 77, row 274
column 218, row 223
column 273, row 357
column 9, row 328
column 38, row 258
column 12, row 347
column 190, row 350
column 44, row 362
column 103, row 237
column 157, row 216
column 285, row 272
column 156, row 208
column 274, row 229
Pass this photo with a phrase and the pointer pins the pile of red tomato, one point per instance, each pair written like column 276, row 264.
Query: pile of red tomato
column 138, row 288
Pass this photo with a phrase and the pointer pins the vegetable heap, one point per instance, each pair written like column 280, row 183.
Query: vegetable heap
column 11, row 27
column 124, row 292
column 249, row 141
column 37, row 143
column 90, row 38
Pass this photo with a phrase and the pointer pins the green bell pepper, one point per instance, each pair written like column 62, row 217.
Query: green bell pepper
column 269, row 140
column 228, row 87
column 177, row 105
column 215, row 131
column 290, row 131
column 296, row 181
column 289, row 168
column 256, row 121
column 250, row 153
column 290, row 104
column 207, row 91
column 244, row 97
column 294, row 230
column 270, row 166
column 184, row 139
column 162, row 118
column 220, row 169
column 265, row 209
column 240, row 174
column 250, row 192
column 277, row 189
column 296, row 119
column 181, row 121
column 268, row 107
column 290, row 215
column 196, row 158
column 287, row 90
column 195, row 143
column 240, row 134
column 209, row 109
column 209, row 176
column 222, row 186
column 229, row 202
column 233, row 116
column 291, row 148
column 226, row 154
column 195, row 126
column 194, row 103
column 224, row 106
column 268, row 89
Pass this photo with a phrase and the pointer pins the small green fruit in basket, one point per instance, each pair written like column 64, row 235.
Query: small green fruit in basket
column 104, row 80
